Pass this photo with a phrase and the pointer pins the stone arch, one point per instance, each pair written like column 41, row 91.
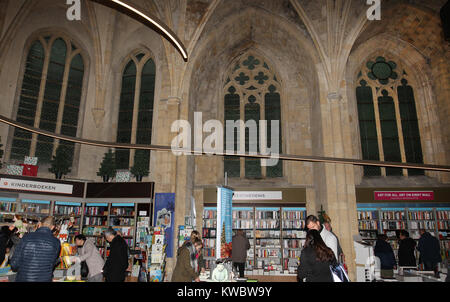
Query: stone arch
column 296, row 68
column 419, row 79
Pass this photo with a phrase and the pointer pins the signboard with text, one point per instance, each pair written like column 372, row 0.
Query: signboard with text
column 258, row 195
column 404, row 195
column 35, row 186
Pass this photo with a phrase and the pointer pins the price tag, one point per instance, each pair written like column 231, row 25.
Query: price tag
column 142, row 213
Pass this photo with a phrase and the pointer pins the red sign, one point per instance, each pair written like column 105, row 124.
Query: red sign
column 404, row 195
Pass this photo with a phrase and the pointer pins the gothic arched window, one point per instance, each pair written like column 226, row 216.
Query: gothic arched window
column 252, row 93
column 136, row 108
column 387, row 114
column 50, row 102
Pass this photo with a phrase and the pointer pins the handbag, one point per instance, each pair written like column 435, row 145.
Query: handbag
column 338, row 272
column 84, row 271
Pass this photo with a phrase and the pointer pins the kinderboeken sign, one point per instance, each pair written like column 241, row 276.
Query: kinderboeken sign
column 35, row 186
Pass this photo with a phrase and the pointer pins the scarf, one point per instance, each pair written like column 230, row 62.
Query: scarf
column 193, row 256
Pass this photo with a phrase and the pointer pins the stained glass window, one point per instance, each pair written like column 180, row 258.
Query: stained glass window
column 382, row 77
column 60, row 98
column 136, row 70
column 252, row 89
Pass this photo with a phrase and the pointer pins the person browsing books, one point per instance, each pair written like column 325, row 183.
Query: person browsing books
column 36, row 255
column 313, row 223
column 186, row 269
column 240, row 245
column 88, row 252
column 430, row 252
column 116, row 265
column 315, row 259
column 406, row 250
column 201, row 263
column 383, row 250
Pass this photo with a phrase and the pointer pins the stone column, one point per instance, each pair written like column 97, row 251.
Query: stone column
column 166, row 162
column 335, row 184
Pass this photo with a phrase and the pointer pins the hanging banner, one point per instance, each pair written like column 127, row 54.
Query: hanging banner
column 164, row 217
column 404, row 195
column 224, row 222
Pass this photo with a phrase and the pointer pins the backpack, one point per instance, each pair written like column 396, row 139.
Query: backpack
column 338, row 272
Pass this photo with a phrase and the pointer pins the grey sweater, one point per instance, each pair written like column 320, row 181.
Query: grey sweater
column 91, row 255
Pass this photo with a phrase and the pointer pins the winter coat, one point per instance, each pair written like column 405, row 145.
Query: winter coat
column 240, row 245
column 91, row 255
column 201, row 261
column 15, row 239
column 3, row 242
column 312, row 269
column 429, row 249
column 406, row 250
column 36, row 256
column 330, row 240
column 184, row 272
column 383, row 250
column 117, row 263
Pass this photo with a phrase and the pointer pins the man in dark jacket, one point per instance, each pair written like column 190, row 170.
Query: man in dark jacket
column 406, row 250
column 383, row 250
column 5, row 234
column 240, row 245
column 117, row 263
column 430, row 252
column 37, row 254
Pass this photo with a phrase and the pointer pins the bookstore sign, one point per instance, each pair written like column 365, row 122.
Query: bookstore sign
column 404, row 195
column 257, row 195
column 35, row 186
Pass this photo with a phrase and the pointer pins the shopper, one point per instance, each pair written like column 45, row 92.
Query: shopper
column 383, row 250
column 187, row 262
column 406, row 250
column 5, row 235
column 201, row 263
column 430, row 252
column 88, row 252
column 315, row 259
column 240, row 246
column 116, row 265
column 313, row 223
column 36, row 255
column 340, row 252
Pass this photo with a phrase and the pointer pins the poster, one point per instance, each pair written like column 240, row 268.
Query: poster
column 224, row 219
column 164, row 217
column 404, row 195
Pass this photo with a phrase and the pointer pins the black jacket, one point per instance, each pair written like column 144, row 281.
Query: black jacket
column 383, row 250
column 429, row 249
column 3, row 243
column 117, row 263
column 312, row 269
column 36, row 256
column 406, row 250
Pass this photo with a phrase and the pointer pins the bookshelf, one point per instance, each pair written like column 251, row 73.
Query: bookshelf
column 268, row 251
column 122, row 218
column 293, row 236
column 443, row 229
column 8, row 207
column 209, row 235
column 95, row 222
column 276, row 236
column 390, row 221
column 65, row 211
column 244, row 219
